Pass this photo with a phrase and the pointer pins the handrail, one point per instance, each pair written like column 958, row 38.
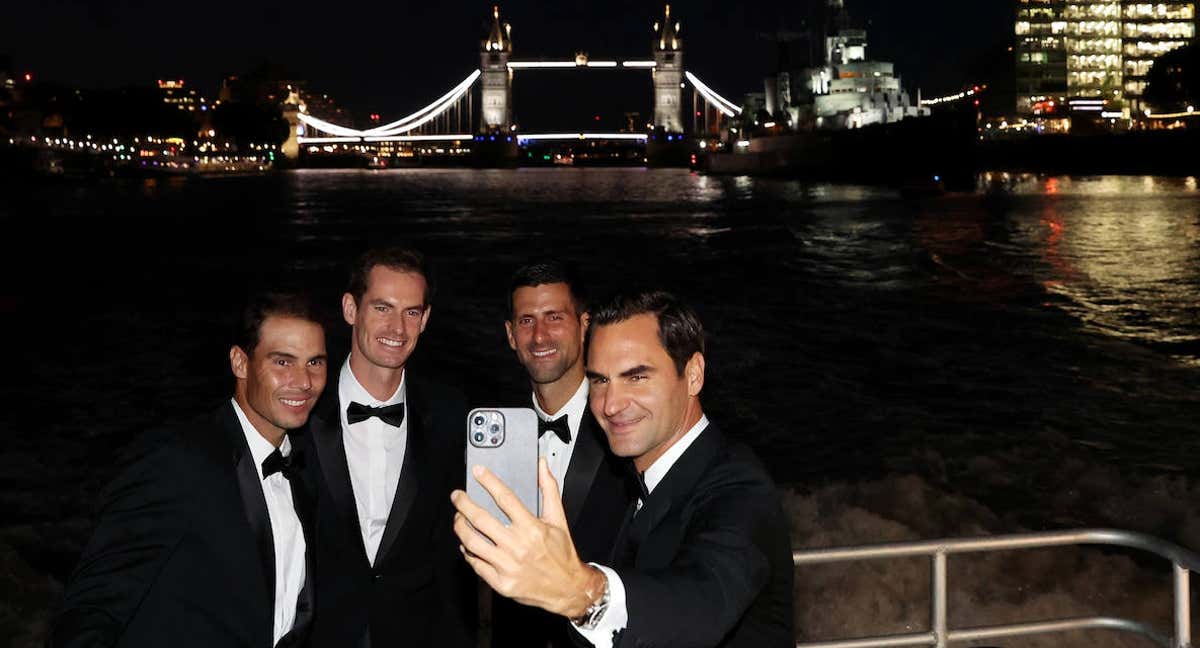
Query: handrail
column 1183, row 563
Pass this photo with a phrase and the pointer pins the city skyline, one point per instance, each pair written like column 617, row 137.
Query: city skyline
column 92, row 46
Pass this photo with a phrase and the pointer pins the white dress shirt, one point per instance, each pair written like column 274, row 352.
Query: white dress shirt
column 617, row 615
column 286, row 532
column 374, row 454
column 557, row 453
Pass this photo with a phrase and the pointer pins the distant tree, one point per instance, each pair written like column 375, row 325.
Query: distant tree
column 248, row 123
column 133, row 111
column 1174, row 80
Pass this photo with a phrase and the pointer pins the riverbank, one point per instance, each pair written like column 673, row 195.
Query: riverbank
column 916, row 151
column 1151, row 152
column 944, row 152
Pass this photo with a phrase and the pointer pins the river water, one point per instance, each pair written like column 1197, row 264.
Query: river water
column 1026, row 356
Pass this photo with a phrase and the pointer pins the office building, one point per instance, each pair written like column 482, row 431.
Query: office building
column 1093, row 55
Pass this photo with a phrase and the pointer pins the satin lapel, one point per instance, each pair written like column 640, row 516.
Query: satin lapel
column 253, row 500
column 678, row 484
column 622, row 552
column 653, row 512
column 303, row 500
column 326, row 430
column 416, row 412
column 585, row 461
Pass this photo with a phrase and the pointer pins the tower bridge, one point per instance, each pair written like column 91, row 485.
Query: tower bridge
column 475, row 116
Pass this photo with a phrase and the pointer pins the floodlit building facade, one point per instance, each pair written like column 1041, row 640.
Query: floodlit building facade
column 1093, row 55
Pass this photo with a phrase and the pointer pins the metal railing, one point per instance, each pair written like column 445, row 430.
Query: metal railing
column 940, row 635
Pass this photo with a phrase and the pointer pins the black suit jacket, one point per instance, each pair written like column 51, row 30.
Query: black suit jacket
column 597, row 491
column 711, row 563
column 413, row 595
column 182, row 555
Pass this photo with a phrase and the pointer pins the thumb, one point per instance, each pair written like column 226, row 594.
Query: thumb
column 552, row 507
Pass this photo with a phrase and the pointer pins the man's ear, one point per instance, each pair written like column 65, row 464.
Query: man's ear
column 349, row 309
column 239, row 362
column 512, row 342
column 585, row 321
column 425, row 317
column 693, row 372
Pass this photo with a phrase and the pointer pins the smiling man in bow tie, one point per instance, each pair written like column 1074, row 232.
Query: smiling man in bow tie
column 204, row 539
column 546, row 326
column 389, row 446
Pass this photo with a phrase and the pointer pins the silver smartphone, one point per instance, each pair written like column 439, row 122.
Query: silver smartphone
column 505, row 441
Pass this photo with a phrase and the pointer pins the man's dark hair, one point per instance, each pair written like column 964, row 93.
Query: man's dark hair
column 399, row 259
column 679, row 329
column 272, row 302
column 549, row 271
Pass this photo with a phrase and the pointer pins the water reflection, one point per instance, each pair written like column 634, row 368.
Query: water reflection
column 1124, row 253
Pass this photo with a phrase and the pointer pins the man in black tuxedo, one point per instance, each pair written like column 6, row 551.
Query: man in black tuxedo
column 202, row 541
column 389, row 449
column 546, row 327
column 703, row 557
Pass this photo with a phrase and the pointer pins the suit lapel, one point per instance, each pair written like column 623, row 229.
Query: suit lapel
column 581, row 472
column 623, row 550
column 417, row 416
column 653, row 512
column 677, row 485
column 326, row 430
column 303, row 499
column 253, row 501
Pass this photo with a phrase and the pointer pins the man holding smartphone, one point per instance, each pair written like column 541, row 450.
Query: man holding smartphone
column 702, row 558
column 389, row 446
column 546, row 326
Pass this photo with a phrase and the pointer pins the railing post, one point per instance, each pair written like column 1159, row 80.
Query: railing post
column 938, row 588
column 1183, row 608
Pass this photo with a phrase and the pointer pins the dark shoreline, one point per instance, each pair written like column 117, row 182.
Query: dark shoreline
column 940, row 148
column 1168, row 153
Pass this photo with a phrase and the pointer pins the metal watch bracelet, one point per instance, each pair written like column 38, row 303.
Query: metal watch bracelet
column 595, row 611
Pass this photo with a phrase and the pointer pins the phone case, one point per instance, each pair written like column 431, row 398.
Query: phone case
column 514, row 460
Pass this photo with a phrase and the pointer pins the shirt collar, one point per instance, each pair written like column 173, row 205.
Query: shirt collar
column 657, row 470
column 573, row 409
column 350, row 390
column 260, row 448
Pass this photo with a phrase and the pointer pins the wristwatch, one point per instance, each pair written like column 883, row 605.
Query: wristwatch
column 595, row 612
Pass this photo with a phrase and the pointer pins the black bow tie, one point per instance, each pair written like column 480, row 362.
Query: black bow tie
column 277, row 463
column 639, row 478
column 558, row 426
column 393, row 415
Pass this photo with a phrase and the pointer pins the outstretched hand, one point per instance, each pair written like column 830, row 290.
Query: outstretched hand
column 532, row 561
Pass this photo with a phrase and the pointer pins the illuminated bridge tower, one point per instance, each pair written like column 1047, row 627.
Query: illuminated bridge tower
column 496, row 79
column 668, row 75
column 292, row 107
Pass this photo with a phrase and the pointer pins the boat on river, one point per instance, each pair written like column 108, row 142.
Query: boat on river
column 848, row 117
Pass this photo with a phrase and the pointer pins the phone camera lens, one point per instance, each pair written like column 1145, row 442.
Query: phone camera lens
column 495, row 427
column 478, row 420
column 479, row 437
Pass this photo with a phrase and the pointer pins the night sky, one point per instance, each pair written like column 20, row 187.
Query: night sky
column 394, row 57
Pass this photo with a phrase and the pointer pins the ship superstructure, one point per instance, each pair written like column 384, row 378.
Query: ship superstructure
column 844, row 88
